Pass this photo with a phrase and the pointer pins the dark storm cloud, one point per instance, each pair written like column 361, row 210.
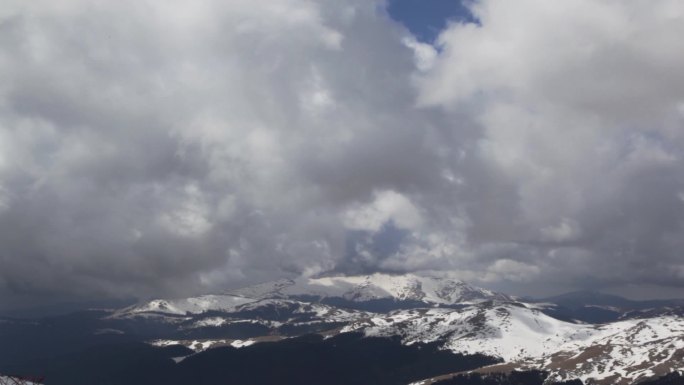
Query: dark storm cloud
column 155, row 148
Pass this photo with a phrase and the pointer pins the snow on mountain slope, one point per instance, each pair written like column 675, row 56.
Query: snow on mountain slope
column 15, row 380
column 274, row 313
column 271, row 313
column 408, row 287
column 317, row 311
column 617, row 353
column 484, row 322
column 509, row 331
column 193, row 305
column 205, row 344
column 244, row 307
column 623, row 352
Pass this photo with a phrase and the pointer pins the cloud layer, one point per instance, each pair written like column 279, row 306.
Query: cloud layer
column 161, row 148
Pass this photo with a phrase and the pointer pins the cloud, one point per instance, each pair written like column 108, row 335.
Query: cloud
column 511, row 270
column 566, row 230
column 160, row 148
column 579, row 106
column 155, row 148
column 386, row 206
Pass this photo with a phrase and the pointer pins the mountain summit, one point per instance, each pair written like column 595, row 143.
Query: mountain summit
column 359, row 288
column 368, row 292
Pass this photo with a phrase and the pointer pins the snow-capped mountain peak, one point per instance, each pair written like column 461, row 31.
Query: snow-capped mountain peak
column 359, row 288
column 192, row 305
column 417, row 290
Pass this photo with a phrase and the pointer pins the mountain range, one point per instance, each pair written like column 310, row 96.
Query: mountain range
column 455, row 332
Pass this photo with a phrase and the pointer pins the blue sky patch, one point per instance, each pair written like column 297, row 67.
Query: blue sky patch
column 426, row 18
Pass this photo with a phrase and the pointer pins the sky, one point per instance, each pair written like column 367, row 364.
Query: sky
column 163, row 148
column 425, row 19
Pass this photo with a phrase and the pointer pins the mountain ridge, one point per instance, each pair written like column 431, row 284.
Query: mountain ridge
column 409, row 309
column 412, row 288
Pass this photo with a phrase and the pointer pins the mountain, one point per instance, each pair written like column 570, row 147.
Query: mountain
column 291, row 307
column 430, row 290
column 591, row 298
column 525, row 338
column 375, row 292
column 585, row 298
column 428, row 329
column 510, row 331
column 596, row 307
column 352, row 291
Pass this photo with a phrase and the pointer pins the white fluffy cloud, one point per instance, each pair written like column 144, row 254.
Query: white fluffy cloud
column 579, row 104
column 386, row 206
